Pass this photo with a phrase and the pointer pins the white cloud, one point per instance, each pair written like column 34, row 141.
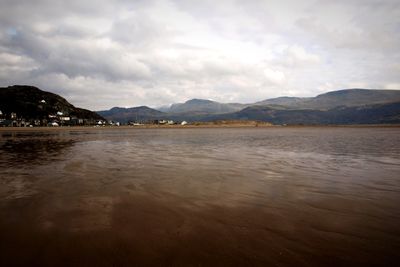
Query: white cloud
column 274, row 76
column 392, row 86
column 297, row 54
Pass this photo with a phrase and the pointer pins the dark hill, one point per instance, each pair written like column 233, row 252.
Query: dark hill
column 353, row 97
column 125, row 115
column 368, row 114
column 31, row 103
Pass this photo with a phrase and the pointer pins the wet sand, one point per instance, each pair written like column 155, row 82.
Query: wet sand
column 144, row 232
column 201, row 197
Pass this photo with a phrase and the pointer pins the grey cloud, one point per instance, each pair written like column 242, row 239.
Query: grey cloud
column 139, row 30
column 77, row 58
column 369, row 25
column 158, row 52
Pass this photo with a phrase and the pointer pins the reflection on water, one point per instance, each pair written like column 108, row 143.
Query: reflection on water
column 275, row 196
column 20, row 154
column 28, row 152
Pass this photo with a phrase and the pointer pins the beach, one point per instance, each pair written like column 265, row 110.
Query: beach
column 199, row 196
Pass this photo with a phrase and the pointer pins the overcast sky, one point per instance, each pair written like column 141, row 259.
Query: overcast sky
column 99, row 54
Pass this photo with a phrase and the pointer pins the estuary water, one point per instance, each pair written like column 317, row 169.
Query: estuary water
column 273, row 196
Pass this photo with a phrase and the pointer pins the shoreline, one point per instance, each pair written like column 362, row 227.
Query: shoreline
column 125, row 127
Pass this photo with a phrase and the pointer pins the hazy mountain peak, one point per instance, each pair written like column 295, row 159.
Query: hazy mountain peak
column 204, row 106
column 131, row 114
column 199, row 101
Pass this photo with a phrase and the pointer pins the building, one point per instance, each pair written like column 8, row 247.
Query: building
column 2, row 119
column 64, row 118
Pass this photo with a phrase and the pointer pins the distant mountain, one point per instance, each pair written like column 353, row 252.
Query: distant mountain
column 125, row 115
column 367, row 114
column 31, row 103
column 164, row 108
column 344, row 98
column 350, row 106
column 354, row 97
column 285, row 101
column 191, row 109
column 202, row 106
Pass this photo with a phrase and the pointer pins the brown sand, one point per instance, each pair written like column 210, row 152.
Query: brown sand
column 148, row 232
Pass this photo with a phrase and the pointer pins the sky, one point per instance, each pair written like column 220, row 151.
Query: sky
column 99, row 54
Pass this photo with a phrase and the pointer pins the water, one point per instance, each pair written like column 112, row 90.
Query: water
column 200, row 197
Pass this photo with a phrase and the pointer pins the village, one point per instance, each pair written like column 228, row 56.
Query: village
column 61, row 118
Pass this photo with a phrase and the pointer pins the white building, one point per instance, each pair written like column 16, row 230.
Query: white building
column 65, row 118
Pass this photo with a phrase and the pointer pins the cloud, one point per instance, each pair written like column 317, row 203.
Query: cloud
column 298, row 54
column 358, row 25
column 100, row 54
column 395, row 86
column 274, row 76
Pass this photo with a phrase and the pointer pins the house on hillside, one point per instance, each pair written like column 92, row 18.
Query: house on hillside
column 2, row 119
column 53, row 124
column 65, row 118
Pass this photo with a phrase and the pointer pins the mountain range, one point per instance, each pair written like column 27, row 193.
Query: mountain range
column 348, row 106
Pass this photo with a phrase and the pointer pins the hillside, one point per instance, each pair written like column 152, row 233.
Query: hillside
column 340, row 98
column 125, row 115
column 31, row 103
column 368, row 114
column 203, row 106
column 285, row 101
